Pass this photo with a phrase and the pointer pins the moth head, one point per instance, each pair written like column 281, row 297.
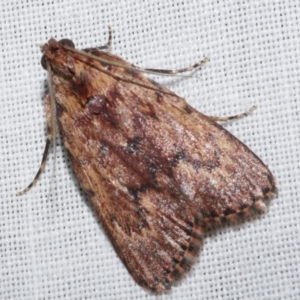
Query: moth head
column 57, row 56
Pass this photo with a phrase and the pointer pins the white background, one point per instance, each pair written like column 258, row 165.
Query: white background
column 53, row 247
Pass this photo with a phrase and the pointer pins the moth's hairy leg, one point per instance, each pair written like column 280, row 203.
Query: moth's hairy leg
column 158, row 71
column 178, row 71
column 239, row 116
column 107, row 46
column 41, row 168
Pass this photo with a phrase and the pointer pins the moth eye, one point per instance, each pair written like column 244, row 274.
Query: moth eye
column 67, row 42
column 44, row 62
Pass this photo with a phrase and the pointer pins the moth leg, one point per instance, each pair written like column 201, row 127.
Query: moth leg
column 50, row 136
column 239, row 116
column 107, row 46
column 175, row 72
column 41, row 168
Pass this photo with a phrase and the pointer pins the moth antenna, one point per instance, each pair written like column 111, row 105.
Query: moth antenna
column 139, row 69
column 53, row 125
column 239, row 116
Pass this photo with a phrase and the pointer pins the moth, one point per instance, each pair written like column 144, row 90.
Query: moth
column 158, row 173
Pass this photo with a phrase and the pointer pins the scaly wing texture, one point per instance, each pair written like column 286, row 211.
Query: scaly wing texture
column 151, row 165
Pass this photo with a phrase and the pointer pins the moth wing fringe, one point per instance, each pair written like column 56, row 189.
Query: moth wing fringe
column 188, row 259
column 258, row 207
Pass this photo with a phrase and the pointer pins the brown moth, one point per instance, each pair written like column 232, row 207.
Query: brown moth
column 158, row 172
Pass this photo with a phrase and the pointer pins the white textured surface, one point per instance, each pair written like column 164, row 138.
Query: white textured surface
column 53, row 247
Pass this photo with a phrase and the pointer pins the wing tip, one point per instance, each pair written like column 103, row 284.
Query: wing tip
column 258, row 206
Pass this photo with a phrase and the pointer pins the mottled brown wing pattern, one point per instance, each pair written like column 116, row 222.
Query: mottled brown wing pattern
column 210, row 157
column 154, row 168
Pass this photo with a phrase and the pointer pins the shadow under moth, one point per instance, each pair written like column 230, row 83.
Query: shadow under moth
column 159, row 173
